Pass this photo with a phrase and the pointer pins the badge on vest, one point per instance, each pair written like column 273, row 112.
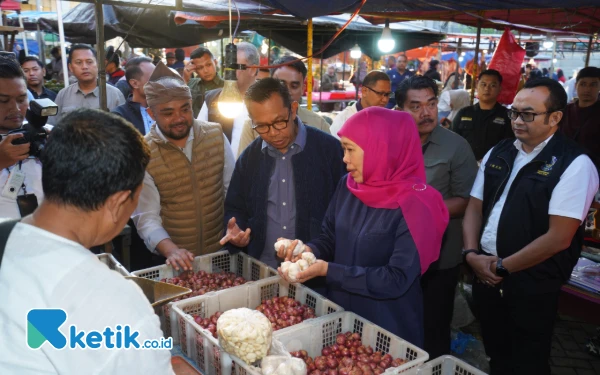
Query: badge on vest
column 466, row 119
column 545, row 171
column 499, row 121
column 494, row 166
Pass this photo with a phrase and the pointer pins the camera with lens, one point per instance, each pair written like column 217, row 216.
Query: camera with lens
column 33, row 131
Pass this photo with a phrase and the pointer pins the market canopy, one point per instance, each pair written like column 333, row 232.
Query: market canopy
column 291, row 32
column 581, row 16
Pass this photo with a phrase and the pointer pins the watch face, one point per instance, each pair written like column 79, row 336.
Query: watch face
column 502, row 272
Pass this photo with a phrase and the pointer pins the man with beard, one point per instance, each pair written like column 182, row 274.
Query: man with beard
column 180, row 212
column 34, row 72
column 451, row 169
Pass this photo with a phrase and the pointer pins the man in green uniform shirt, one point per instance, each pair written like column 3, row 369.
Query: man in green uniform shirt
column 203, row 63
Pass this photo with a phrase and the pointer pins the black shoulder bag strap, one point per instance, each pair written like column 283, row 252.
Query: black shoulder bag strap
column 5, row 228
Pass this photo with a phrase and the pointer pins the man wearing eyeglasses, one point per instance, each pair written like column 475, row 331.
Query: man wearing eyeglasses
column 484, row 124
column 375, row 91
column 523, row 229
column 283, row 181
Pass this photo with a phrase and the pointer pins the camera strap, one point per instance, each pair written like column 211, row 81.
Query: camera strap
column 5, row 228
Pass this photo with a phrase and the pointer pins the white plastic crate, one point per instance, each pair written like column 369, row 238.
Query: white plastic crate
column 447, row 365
column 240, row 264
column 322, row 332
column 113, row 264
column 203, row 348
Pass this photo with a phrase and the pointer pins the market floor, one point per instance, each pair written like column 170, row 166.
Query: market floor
column 569, row 353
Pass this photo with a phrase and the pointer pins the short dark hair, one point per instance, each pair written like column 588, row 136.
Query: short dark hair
column 296, row 65
column 32, row 58
column 492, row 73
column 90, row 156
column 76, row 47
column 405, row 57
column 179, row 54
column 261, row 90
column 201, row 51
column 414, row 83
column 528, row 66
column 132, row 68
column 588, row 72
column 557, row 99
column 10, row 68
column 373, row 76
column 54, row 50
column 433, row 63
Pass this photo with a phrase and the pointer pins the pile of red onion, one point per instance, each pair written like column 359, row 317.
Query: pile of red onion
column 203, row 282
column 348, row 356
column 209, row 323
column 283, row 312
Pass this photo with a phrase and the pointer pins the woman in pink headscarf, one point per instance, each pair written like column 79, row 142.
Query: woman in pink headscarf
column 384, row 225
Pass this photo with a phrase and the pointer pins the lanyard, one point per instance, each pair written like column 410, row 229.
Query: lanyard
column 23, row 185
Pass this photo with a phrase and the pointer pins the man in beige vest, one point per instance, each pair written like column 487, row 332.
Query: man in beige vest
column 293, row 76
column 180, row 211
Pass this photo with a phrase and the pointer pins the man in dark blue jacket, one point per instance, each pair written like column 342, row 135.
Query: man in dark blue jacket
column 284, row 180
column 137, row 73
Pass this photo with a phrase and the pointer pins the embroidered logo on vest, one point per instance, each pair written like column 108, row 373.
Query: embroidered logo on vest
column 545, row 171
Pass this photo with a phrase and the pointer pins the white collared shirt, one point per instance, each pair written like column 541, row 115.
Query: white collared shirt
column 238, row 126
column 32, row 168
column 571, row 197
column 147, row 214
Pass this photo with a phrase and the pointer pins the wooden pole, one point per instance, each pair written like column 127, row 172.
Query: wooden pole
column 476, row 63
column 100, row 55
column 309, row 76
column 222, row 60
column 61, row 35
column 321, row 83
column 456, row 76
column 589, row 51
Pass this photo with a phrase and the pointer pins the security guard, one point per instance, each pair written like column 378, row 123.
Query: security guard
column 486, row 123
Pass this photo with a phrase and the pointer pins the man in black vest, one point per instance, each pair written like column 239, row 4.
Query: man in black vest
column 523, row 229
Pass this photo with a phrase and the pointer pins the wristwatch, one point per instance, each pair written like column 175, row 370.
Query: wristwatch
column 500, row 270
column 466, row 252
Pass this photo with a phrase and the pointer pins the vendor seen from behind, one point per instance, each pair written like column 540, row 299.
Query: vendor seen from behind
column 383, row 227
column 284, row 180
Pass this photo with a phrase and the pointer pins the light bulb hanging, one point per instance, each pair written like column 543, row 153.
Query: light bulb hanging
column 386, row 43
column 355, row 52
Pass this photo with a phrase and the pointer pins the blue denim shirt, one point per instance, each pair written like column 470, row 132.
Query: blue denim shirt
column 281, row 198
column 147, row 119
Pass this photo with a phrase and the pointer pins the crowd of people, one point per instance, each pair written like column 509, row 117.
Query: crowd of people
column 389, row 201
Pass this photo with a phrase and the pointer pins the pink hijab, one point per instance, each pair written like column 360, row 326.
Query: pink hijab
column 394, row 176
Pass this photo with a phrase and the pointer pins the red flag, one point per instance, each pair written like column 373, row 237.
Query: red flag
column 507, row 59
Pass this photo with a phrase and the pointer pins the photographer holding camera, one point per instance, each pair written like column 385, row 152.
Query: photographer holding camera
column 20, row 173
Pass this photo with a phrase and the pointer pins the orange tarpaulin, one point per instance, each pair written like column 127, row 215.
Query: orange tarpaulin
column 421, row 53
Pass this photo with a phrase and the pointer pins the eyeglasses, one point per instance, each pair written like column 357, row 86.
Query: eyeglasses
column 525, row 116
column 386, row 94
column 279, row 125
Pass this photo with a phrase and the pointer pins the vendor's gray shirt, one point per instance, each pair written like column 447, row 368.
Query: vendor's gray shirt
column 451, row 169
column 281, row 198
column 71, row 98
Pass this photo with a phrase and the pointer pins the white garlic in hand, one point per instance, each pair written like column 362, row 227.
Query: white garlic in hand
column 309, row 257
column 285, row 266
column 293, row 271
column 302, row 264
column 287, row 243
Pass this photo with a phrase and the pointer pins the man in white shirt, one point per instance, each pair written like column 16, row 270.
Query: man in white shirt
column 375, row 91
column 93, row 167
column 20, row 174
column 523, row 229
column 248, row 55
column 180, row 213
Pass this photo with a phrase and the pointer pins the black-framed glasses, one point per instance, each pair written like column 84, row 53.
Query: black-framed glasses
column 525, row 116
column 386, row 94
column 279, row 125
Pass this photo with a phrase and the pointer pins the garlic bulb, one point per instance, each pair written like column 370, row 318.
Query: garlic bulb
column 287, row 243
column 245, row 333
column 309, row 257
column 285, row 266
column 293, row 271
column 302, row 264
